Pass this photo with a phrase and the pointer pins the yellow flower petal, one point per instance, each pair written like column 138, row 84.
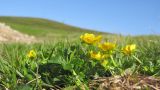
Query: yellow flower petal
column 97, row 56
column 107, row 46
column 90, row 38
column 98, row 38
column 31, row 54
column 128, row 49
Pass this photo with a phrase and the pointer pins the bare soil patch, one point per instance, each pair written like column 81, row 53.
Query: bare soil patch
column 7, row 34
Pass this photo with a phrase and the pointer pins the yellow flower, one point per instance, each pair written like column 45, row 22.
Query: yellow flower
column 98, row 38
column 31, row 54
column 90, row 38
column 97, row 56
column 107, row 46
column 129, row 49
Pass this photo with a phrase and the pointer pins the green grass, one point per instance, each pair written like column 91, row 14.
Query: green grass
column 66, row 64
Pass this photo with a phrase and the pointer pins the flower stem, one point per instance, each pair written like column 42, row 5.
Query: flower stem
column 114, row 63
column 137, row 59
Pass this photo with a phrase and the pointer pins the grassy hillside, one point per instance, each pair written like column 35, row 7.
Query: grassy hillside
column 123, row 62
column 43, row 28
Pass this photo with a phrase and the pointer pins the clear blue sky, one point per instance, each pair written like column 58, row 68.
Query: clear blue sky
column 133, row 17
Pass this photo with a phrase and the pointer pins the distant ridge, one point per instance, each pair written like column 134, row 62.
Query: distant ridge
column 41, row 28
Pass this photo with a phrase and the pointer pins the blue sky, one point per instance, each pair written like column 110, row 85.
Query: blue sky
column 134, row 17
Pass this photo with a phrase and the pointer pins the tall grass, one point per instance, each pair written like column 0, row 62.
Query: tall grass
column 63, row 64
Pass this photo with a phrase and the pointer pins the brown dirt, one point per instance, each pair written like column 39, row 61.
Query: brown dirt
column 7, row 34
column 126, row 83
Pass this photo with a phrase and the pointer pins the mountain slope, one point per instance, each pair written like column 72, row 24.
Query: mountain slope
column 43, row 28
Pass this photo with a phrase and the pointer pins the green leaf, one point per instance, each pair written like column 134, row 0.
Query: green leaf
column 67, row 66
column 20, row 74
column 69, row 88
column 24, row 87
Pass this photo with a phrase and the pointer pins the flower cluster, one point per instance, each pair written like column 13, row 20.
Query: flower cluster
column 103, row 50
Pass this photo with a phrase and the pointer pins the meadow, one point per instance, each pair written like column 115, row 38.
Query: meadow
column 75, row 64
column 88, row 62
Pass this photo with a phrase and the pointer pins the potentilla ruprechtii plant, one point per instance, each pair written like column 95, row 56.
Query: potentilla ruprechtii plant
column 108, row 54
